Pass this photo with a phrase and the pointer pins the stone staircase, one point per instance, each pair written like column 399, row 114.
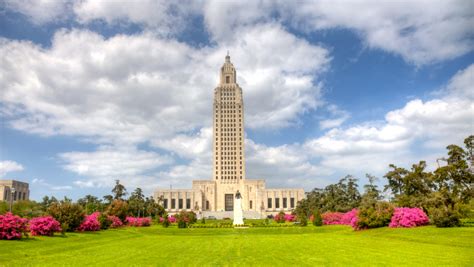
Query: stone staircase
column 230, row 214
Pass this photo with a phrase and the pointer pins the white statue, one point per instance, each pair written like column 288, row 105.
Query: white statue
column 238, row 212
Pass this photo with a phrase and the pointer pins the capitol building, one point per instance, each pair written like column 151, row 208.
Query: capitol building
column 215, row 197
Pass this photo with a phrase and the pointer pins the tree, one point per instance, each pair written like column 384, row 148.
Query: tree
column 371, row 192
column 46, row 202
column 342, row 197
column 453, row 186
column 136, row 202
column 90, row 203
column 108, row 199
column 119, row 190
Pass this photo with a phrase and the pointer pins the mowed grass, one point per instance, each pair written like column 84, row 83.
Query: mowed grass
column 294, row 246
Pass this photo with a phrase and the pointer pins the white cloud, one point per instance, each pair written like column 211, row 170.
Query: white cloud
column 336, row 119
column 42, row 183
column 422, row 32
column 373, row 145
column 40, row 11
column 100, row 168
column 106, row 91
column 164, row 17
column 7, row 166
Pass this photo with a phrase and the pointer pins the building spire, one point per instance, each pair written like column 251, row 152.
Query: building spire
column 227, row 58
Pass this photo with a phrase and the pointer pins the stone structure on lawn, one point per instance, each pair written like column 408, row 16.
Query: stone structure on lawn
column 22, row 191
column 215, row 197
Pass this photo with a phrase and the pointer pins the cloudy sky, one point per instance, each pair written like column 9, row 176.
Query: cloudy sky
column 93, row 91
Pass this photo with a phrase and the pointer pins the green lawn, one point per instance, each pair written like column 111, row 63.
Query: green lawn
column 295, row 246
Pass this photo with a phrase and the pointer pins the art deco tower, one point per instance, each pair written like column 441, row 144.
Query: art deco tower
column 228, row 149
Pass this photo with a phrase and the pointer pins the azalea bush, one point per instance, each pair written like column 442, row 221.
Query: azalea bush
column 408, row 217
column 90, row 223
column 280, row 217
column 189, row 217
column 289, row 218
column 46, row 225
column 12, row 226
column 115, row 221
column 138, row 222
column 350, row 217
column 330, row 218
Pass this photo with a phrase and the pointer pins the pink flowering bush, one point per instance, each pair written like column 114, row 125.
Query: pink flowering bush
column 289, row 217
column 171, row 219
column 115, row 221
column 12, row 227
column 408, row 217
column 90, row 223
column 44, row 226
column 330, row 218
column 349, row 217
column 138, row 222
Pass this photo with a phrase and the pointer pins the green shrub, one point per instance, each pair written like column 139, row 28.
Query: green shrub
column 303, row 220
column 118, row 208
column 375, row 216
column 182, row 224
column 68, row 214
column 317, row 219
column 166, row 222
column 445, row 218
column 104, row 221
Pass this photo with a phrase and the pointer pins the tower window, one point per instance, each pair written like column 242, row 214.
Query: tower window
column 227, row 79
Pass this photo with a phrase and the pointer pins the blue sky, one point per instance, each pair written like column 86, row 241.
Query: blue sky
column 94, row 91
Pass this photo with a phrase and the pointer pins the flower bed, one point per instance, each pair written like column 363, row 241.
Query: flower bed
column 138, row 222
column 171, row 219
column 282, row 217
column 46, row 226
column 408, row 217
column 12, row 227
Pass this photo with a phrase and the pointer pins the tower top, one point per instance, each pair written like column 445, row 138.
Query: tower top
column 228, row 73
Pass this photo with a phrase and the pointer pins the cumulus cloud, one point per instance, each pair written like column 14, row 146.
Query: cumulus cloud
column 434, row 124
column 43, row 183
column 7, row 166
column 40, row 11
column 100, row 168
column 336, row 117
column 164, row 17
column 422, row 32
column 106, row 90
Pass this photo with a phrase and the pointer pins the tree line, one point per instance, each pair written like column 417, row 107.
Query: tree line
column 445, row 194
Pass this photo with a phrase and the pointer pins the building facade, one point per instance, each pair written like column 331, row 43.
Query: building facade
column 21, row 190
column 215, row 197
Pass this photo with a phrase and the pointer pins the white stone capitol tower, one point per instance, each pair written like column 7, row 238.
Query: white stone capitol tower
column 229, row 160
column 215, row 197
